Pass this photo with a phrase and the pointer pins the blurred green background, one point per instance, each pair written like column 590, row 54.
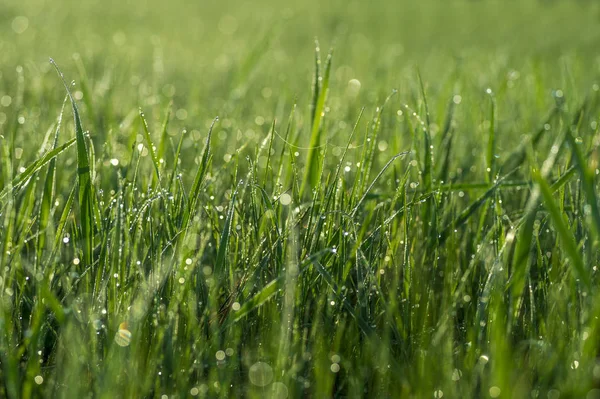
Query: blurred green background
column 202, row 43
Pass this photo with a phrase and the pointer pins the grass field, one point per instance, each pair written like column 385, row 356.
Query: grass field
column 196, row 200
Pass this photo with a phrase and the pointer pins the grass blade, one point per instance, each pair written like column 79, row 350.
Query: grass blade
column 151, row 146
column 313, row 163
column 86, row 195
column 22, row 179
column 48, row 193
column 567, row 239
column 200, row 174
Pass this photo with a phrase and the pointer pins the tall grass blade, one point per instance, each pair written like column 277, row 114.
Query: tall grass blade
column 566, row 237
column 86, row 194
column 313, row 162
column 48, row 193
column 199, row 178
column 151, row 147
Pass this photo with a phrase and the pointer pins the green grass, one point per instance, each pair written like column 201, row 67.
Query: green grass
column 212, row 209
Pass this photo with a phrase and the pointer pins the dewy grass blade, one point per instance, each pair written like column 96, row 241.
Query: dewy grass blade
column 427, row 150
column 364, row 326
column 566, row 237
column 62, row 222
column 273, row 287
column 48, row 193
column 316, row 84
column 381, row 172
column 370, row 144
column 164, row 134
column 86, row 193
column 587, row 182
column 471, row 209
column 200, row 174
column 521, row 258
column 24, row 177
column 313, row 162
column 220, row 263
column 491, row 147
column 151, row 147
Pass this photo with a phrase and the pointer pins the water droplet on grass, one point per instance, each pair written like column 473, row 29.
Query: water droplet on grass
column 285, row 199
column 279, row 390
column 260, row 374
column 495, row 392
column 123, row 337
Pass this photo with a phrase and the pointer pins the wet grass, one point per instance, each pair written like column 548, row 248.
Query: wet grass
column 278, row 225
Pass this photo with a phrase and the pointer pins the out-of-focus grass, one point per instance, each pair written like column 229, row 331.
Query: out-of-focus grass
column 443, row 241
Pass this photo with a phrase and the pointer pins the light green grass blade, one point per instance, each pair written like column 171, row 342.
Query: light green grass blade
column 199, row 178
column 491, row 147
column 151, row 147
column 28, row 173
column 313, row 162
column 48, row 193
column 62, row 222
column 160, row 154
column 176, row 161
column 316, row 84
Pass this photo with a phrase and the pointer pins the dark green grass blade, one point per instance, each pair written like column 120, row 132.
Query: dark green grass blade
column 587, row 182
column 364, row 326
column 220, row 263
column 370, row 144
column 273, row 287
column 521, row 258
column 471, row 209
column 176, row 161
column 381, row 172
column 445, row 150
column 427, row 151
column 566, row 237
column 517, row 157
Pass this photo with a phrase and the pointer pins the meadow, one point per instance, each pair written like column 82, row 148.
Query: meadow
column 387, row 199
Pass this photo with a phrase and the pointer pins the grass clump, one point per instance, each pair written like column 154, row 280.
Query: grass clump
column 436, row 239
